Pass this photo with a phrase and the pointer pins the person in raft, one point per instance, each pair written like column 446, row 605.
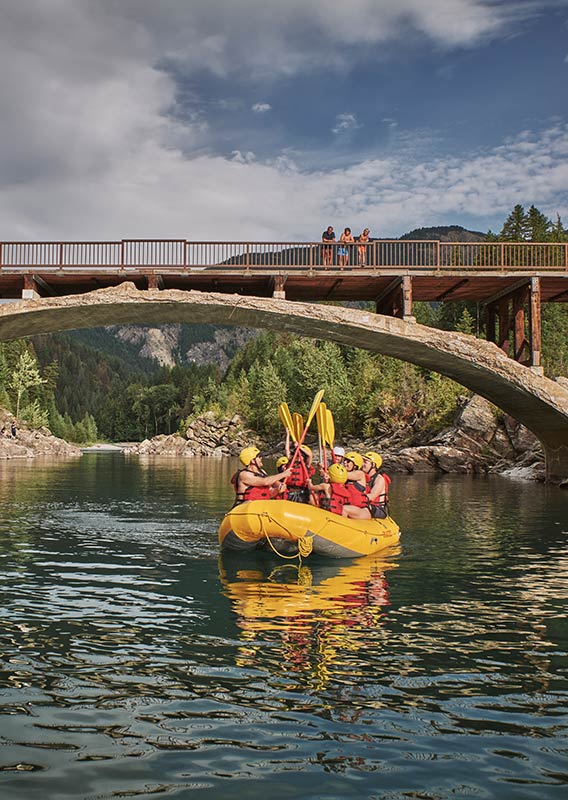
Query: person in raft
column 336, row 494
column 377, row 485
column 338, row 454
column 251, row 481
column 298, row 484
column 281, row 465
column 358, row 505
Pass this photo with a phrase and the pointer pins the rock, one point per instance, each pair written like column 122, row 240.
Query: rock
column 478, row 418
column 32, row 443
column 479, row 441
column 206, row 435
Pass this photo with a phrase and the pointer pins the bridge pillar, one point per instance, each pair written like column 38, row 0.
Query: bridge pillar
column 279, row 292
column 508, row 309
column 535, row 323
column 155, row 281
column 556, row 461
column 30, row 288
column 396, row 299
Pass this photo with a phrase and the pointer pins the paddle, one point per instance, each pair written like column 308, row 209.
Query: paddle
column 321, row 419
column 311, row 415
column 286, row 419
column 298, row 422
column 329, row 428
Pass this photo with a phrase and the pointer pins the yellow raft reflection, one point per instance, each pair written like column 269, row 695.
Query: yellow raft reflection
column 323, row 614
column 289, row 528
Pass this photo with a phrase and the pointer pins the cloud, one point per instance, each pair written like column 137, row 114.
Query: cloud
column 261, row 108
column 345, row 123
column 95, row 145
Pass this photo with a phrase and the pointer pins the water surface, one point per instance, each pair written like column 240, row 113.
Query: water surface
column 136, row 663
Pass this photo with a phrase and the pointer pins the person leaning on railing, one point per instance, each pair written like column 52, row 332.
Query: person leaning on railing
column 344, row 249
column 327, row 237
column 362, row 239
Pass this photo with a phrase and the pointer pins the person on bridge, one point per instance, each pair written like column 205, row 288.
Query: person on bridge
column 251, row 482
column 343, row 251
column 362, row 239
column 327, row 237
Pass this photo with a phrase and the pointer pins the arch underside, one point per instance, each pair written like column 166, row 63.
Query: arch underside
column 537, row 402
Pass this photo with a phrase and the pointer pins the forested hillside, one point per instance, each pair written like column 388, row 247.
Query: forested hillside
column 81, row 391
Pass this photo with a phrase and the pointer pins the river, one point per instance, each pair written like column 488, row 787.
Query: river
column 136, row 663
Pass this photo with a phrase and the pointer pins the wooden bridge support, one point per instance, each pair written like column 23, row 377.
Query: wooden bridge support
column 279, row 291
column 30, row 288
column 396, row 299
column 155, row 281
column 519, row 339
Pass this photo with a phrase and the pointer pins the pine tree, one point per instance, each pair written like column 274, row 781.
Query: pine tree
column 558, row 232
column 537, row 225
column 516, row 226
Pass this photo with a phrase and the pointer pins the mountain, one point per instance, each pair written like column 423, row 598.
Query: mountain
column 446, row 233
column 146, row 348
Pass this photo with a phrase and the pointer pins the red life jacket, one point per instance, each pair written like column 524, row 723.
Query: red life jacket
column 357, row 494
column 251, row 492
column 382, row 499
column 300, row 474
column 339, row 497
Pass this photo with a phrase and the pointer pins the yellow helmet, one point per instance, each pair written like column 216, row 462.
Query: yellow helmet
column 305, row 449
column 281, row 461
column 375, row 459
column 355, row 458
column 248, row 454
column 337, row 473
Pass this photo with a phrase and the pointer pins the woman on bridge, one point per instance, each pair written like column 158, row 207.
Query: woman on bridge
column 343, row 250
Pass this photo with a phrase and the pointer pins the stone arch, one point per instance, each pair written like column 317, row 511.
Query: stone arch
column 537, row 402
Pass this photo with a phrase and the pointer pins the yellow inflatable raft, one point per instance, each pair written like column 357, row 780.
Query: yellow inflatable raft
column 290, row 528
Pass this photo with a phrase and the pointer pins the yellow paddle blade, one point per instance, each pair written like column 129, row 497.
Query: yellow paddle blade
column 314, row 408
column 298, row 423
column 321, row 421
column 329, row 428
column 286, row 418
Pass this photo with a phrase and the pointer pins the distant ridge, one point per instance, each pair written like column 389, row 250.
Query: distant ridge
column 446, row 233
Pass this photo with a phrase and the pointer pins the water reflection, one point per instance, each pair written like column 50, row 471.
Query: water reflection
column 134, row 662
column 317, row 614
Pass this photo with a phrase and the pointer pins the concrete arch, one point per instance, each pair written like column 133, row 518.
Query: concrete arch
column 538, row 402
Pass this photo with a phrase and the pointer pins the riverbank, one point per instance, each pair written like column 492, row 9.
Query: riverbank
column 480, row 440
column 23, row 442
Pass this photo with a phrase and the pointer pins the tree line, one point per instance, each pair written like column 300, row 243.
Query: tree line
column 83, row 396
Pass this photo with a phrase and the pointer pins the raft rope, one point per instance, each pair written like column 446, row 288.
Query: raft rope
column 305, row 543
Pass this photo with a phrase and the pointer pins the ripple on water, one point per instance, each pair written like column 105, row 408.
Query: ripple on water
column 133, row 662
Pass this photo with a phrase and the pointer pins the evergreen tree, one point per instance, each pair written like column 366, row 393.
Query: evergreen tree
column 558, row 232
column 537, row 225
column 515, row 228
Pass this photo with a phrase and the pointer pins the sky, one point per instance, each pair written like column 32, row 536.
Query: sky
column 268, row 120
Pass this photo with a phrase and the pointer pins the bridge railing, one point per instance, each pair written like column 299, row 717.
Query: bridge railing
column 181, row 255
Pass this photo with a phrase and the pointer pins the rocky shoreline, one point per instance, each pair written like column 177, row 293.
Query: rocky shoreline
column 481, row 440
column 32, row 443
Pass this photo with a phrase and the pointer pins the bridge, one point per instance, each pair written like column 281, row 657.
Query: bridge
column 538, row 402
column 508, row 280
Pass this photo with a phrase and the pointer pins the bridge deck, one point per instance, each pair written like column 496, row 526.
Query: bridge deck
column 439, row 270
